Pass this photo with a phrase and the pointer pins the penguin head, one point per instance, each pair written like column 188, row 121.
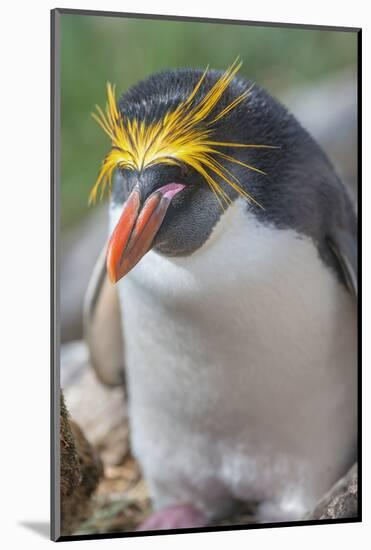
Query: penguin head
column 181, row 154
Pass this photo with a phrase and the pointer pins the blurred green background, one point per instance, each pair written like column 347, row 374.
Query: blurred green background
column 97, row 49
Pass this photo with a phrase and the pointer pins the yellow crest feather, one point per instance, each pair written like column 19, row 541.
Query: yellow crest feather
column 183, row 136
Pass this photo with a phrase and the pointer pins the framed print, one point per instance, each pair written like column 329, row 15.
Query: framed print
column 205, row 182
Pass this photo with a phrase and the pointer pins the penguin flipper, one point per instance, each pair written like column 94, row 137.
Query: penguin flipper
column 344, row 247
column 102, row 326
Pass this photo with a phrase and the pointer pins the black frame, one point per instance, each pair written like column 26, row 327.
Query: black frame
column 55, row 282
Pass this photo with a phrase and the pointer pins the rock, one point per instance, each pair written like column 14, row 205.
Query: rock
column 100, row 410
column 81, row 470
column 70, row 468
column 341, row 501
column 81, row 247
column 121, row 500
column 328, row 110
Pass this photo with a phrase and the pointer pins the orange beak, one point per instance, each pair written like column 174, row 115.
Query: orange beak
column 136, row 229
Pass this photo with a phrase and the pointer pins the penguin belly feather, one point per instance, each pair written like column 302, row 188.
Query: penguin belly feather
column 241, row 369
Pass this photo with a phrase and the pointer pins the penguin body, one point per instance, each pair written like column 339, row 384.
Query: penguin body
column 240, row 322
column 242, row 382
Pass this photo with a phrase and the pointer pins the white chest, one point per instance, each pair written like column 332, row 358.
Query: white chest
column 242, row 358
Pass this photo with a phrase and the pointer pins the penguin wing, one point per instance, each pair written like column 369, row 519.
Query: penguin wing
column 102, row 326
column 344, row 248
column 343, row 241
